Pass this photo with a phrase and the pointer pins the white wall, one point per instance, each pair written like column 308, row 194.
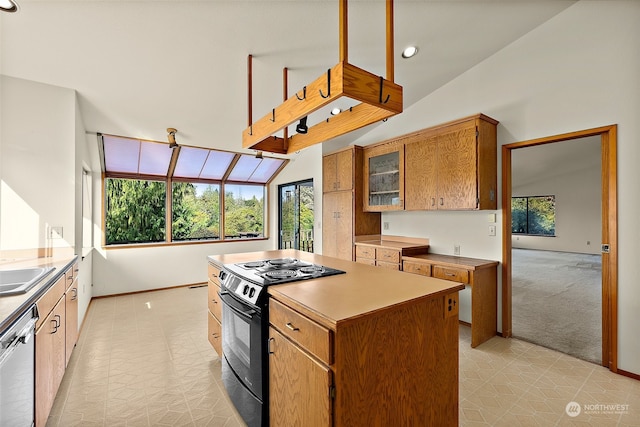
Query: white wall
column 578, row 70
column 578, row 212
column 38, row 155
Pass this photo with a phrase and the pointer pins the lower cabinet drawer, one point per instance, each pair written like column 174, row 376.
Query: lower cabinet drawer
column 416, row 268
column 387, row 255
column 449, row 273
column 214, row 274
column 314, row 338
column 369, row 261
column 388, row 265
column 365, row 252
column 215, row 334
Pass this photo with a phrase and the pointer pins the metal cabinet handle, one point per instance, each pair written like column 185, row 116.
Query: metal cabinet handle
column 291, row 327
column 433, row 201
column 75, row 294
column 269, row 345
column 441, row 201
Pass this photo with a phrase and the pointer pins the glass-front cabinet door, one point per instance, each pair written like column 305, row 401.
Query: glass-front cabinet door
column 384, row 177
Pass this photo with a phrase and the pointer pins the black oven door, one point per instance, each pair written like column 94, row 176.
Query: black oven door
column 242, row 342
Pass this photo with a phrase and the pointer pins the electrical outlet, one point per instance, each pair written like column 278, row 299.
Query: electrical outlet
column 456, row 249
column 492, row 230
column 55, row 232
column 451, row 305
column 385, row 225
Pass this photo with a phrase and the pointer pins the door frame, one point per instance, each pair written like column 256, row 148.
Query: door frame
column 609, row 176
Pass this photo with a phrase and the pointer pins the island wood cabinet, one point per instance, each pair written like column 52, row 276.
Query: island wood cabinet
column 398, row 366
column 384, row 177
column 56, row 335
column 387, row 251
column 452, row 166
column 481, row 275
column 214, row 314
column 343, row 217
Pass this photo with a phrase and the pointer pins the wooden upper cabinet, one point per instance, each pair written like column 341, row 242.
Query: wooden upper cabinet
column 337, row 171
column 384, row 177
column 453, row 166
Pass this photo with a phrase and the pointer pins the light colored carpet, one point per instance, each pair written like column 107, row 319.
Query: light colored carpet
column 557, row 301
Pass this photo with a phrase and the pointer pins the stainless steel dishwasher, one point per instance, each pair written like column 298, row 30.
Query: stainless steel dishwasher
column 17, row 370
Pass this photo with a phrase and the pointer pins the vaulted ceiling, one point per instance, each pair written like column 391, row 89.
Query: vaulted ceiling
column 140, row 67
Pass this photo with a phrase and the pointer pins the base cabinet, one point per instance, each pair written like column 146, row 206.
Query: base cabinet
column 299, row 386
column 71, row 312
column 214, row 304
column 50, row 361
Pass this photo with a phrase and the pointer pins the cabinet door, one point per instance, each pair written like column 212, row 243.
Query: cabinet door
column 344, row 170
column 337, row 229
column 384, row 177
column 329, row 240
column 421, row 174
column 71, row 320
column 50, row 361
column 457, row 170
column 329, row 167
column 215, row 333
column 298, row 386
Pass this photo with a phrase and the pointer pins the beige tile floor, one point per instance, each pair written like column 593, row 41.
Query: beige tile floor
column 144, row 360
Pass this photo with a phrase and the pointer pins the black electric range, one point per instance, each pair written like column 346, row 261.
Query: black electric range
column 248, row 280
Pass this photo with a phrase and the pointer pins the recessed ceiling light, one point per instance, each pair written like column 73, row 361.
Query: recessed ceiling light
column 8, row 6
column 335, row 111
column 409, row 52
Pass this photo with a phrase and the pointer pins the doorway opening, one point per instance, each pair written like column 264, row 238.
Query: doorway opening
column 608, row 215
column 296, row 215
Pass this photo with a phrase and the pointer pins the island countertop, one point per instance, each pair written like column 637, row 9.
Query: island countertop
column 363, row 289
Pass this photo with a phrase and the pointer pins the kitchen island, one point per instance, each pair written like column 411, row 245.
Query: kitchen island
column 368, row 347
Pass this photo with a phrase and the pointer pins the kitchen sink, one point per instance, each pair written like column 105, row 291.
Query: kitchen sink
column 20, row 281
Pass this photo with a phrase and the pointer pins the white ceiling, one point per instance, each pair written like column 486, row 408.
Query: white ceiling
column 142, row 66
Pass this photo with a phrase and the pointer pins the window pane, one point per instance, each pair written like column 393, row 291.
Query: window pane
column 244, row 168
column 265, row 170
column 154, row 158
column 121, row 154
column 190, row 162
column 196, row 211
column 135, row 211
column 542, row 215
column 217, row 164
column 519, row 215
column 244, row 211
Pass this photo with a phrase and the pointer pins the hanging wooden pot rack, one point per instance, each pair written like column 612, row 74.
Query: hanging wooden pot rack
column 379, row 98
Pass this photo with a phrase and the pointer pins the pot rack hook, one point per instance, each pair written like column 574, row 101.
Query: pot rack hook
column 328, row 85
column 304, row 94
column 381, row 87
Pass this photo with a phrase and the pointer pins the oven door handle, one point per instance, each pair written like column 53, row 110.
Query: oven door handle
column 247, row 314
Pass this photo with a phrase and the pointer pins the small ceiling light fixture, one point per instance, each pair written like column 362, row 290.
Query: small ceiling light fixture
column 336, row 111
column 171, row 136
column 258, row 154
column 8, row 6
column 409, row 52
column 302, row 126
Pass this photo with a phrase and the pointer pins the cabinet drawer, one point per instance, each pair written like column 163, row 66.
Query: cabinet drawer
column 215, row 304
column 311, row 336
column 214, row 274
column 50, row 299
column 388, row 265
column 416, row 268
column 215, row 334
column 387, row 255
column 365, row 252
column 368, row 261
column 449, row 273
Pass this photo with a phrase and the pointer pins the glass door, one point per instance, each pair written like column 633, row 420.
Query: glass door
column 296, row 217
